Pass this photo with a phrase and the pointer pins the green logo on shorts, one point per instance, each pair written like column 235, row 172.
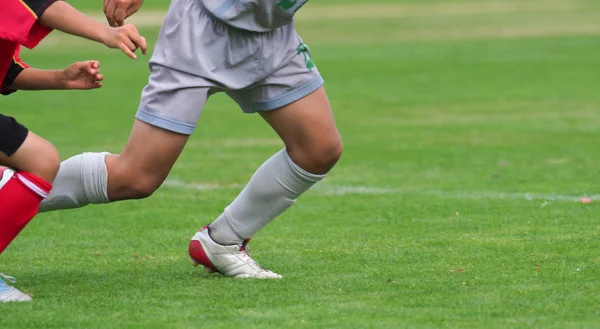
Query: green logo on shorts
column 303, row 49
column 287, row 4
column 293, row 5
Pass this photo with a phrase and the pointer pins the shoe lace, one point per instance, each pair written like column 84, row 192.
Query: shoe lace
column 8, row 278
column 245, row 254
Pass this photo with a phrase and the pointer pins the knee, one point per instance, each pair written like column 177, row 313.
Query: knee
column 126, row 181
column 321, row 157
column 49, row 168
column 329, row 153
column 47, row 164
column 137, row 187
column 142, row 188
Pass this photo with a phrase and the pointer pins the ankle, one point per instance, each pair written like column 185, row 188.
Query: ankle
column 222, row 232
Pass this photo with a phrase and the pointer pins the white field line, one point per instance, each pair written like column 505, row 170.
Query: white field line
column 326, row 189
column 173, row 183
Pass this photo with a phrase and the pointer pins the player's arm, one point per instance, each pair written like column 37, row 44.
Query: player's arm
column 61, row 16
column 79, row 75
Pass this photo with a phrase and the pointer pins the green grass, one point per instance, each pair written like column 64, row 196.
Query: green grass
column 449, row 119
column 160, row 4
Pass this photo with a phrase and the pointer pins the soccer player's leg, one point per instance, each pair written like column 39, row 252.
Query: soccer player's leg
column 36, row 162
column 308, row 130
column 169, row 111
column 295, row 104
column 24, row 150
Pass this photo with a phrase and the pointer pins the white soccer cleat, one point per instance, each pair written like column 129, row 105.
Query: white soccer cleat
column 233, row 261
column 11, row 294
column 5, row 175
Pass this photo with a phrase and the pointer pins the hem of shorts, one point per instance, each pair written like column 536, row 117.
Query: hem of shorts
column 164, row 123
column 287, row 98
column 16, row 139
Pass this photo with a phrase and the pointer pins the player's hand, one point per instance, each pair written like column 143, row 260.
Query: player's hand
column 117, row 11
column 127, row 38
column 83, row 75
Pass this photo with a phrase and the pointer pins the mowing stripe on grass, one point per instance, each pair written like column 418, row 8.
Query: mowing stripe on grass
column 379, row 23
column 334, row 190
column 319, row 12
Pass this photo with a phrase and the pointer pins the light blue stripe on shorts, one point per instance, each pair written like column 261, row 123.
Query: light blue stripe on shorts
column 165, row 123
column 287, row 98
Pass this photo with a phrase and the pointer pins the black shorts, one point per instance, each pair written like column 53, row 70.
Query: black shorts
column 12, row 135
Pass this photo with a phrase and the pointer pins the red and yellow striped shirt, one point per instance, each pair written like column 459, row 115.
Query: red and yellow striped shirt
column 19, row 25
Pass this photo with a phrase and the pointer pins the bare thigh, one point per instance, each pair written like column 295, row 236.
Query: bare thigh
column 37, row 156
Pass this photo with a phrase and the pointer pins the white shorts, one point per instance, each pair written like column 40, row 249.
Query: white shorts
column 197, row 55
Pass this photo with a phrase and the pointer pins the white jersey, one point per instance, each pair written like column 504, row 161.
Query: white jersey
column 254, row 15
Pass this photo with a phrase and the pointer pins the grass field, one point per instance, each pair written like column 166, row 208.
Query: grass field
column 471, row 131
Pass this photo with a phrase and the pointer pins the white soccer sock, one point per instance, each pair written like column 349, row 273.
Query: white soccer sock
column 273, row 188
column 81, row 180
